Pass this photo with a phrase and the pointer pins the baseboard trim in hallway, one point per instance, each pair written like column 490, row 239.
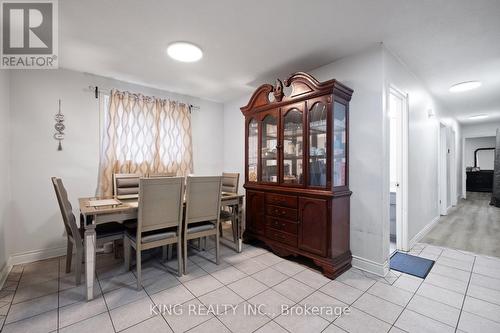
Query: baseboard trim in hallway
column 424, row 231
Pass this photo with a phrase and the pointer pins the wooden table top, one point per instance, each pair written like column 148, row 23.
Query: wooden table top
column 128, row 205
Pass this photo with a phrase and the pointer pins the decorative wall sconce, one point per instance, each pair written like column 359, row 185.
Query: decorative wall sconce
column 59, row 126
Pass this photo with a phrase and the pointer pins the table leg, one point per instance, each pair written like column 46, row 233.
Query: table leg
column 90, row 240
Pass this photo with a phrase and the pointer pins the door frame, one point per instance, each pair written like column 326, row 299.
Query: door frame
column 453, row 168
column 442, row 169
column 402, row 241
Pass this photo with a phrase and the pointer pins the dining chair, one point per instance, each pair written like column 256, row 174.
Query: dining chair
column 203, row 197
column 126, row 185
column 105, row 233
column 159, row 221
column 230, row 183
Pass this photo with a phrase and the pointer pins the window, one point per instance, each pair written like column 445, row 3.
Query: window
column 141, row 134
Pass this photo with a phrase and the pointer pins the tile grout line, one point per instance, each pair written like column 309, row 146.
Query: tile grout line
column 105, row 302
column 267, row 288
column 465, row 295
column 12, row 301
column 194, row 296
column 361, row 310
column 13, row 295
column 415, row 293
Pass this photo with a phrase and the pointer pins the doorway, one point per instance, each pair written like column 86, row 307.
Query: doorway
column 398, row 157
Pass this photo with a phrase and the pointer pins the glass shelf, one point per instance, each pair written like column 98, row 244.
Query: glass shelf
column 253, row 147
column 268, row 154
column 317, row 145
column 293, row 147
column 339, row 144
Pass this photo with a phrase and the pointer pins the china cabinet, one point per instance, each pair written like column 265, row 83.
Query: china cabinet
column 296, row 177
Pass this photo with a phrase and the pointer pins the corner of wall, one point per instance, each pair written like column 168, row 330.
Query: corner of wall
column 5, row 159
column 371, row 266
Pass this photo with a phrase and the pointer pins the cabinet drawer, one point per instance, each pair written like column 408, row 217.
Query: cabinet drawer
column 282, row 225
column 286, row 213
column 281, row 236
column 281, row 200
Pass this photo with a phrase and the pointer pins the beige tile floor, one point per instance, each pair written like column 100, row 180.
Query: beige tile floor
column 461, row 294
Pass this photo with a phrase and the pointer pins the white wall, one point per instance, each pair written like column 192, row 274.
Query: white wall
column 423, row 143
column 479, row 130
column 234, row 138
column 34, row 96
column 4, row 167
column 471, row 144
column 363, row 73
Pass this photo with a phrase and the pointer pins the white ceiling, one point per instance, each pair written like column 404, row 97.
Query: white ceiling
column 248, row 42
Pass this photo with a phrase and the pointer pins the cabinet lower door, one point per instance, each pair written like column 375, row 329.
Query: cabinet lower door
column 313, row 226
column 255, row 212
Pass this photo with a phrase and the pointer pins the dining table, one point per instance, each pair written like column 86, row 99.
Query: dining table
column 100, row 210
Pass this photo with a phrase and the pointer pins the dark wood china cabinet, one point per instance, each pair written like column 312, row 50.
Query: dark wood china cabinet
column 297, row 164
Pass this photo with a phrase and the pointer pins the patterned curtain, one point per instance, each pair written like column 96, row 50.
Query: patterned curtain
column 143, row 135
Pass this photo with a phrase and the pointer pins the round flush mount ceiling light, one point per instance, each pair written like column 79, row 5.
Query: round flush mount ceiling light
column 465, row 86
column 478, row 116
column 184, row 51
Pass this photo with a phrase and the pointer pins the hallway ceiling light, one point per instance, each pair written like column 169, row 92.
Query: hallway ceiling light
column 478, row 116
column 465, row 86
column 184, row 51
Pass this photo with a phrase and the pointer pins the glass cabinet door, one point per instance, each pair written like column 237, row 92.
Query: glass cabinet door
column 292, row 147
column 339, row 144
column 253, row 147
column 269, row 150
column 317, row 145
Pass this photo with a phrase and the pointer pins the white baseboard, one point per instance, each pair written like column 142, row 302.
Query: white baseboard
column 423, row 232
column 4, row 272
column 370, row 266
column 31, row 256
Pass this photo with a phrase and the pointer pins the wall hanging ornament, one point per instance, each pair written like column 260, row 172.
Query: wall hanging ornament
column 59, row 126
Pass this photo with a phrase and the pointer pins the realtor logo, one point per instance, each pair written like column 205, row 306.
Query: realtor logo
column 29, row 34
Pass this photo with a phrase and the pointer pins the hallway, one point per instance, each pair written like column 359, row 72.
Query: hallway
column 473, row 225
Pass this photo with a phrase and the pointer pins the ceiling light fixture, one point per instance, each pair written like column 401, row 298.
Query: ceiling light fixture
column 478, row 116
column 184, row 51
column 465, row 86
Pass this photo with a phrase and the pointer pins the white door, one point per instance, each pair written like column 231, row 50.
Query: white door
column 453, row 169
column 398, row 137
column 443, row 170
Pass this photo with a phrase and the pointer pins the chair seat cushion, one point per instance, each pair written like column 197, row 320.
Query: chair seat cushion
column 152, row 236
column 109, row 229
column 201, row 226
column 225, row 215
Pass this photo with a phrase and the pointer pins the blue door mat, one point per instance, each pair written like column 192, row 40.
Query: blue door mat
column 411, row 265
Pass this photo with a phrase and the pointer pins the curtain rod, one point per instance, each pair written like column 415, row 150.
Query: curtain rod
column 96, row 90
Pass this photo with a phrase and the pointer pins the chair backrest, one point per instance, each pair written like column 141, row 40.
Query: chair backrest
column 230, row 182
column 162, row 174
column 161, row 203
column 66, row 210
column 203, row 196
column 126, row 185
